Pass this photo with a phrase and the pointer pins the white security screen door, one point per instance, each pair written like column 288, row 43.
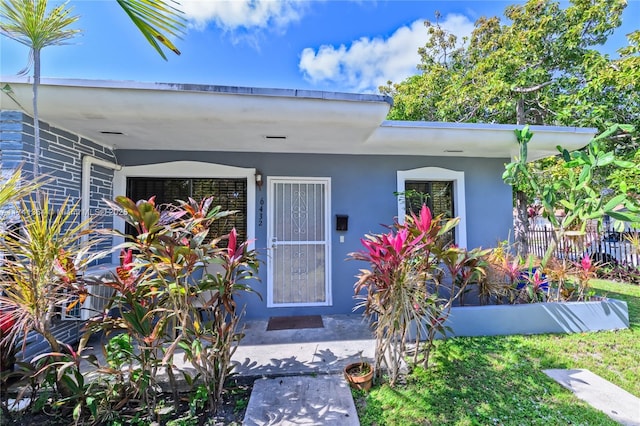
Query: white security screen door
column 298, row 231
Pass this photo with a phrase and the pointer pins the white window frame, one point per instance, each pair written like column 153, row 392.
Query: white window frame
column 271, row 180
column 438, row 174
column 187, row 169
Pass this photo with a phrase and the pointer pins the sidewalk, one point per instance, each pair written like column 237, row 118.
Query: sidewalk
column 302, row 370
column 601, row 394
column 301, row 400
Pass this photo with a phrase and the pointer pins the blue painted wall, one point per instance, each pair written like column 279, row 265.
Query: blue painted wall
column 361, row 187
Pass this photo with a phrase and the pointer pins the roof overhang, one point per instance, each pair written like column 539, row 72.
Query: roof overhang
column 161, row 116
column 474, row 139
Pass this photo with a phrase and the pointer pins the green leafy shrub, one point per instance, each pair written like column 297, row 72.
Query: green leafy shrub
column 174, row 289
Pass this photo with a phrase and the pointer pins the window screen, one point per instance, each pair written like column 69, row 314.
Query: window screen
column 437, row 195
column 230, row 194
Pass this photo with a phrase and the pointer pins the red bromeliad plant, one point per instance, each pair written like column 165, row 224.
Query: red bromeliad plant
column 401, row 288
column 502, row 270
column 512, row 269
column 535, row 287
column 585, row 271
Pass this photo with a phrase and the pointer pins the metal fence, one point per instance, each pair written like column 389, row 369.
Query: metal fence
column 604, row 247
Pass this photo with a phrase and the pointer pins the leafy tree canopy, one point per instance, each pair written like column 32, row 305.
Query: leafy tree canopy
column 538, row 65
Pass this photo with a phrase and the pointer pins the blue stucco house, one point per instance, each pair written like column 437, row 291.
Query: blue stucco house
column 310, row 172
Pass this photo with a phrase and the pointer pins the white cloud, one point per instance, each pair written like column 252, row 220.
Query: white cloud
column 370, row 62
column 232, row 15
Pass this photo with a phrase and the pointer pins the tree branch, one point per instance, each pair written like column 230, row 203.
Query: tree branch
column 531, row 88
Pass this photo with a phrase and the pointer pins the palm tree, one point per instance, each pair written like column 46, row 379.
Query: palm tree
column 27, row 22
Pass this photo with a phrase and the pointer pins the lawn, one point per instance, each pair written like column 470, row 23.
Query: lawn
column 499, row 380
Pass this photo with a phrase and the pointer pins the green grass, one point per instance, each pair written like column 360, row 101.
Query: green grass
column 499, row 380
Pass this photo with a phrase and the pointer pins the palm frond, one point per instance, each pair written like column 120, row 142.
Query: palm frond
column 15, row 188
column 157, row 20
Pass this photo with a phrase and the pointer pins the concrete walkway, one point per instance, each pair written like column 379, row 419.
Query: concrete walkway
column 343, row 339
column 301, row 400
column 601, row 394
column 300, row 371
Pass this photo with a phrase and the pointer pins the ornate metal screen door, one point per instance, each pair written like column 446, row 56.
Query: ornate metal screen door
column 299, row 240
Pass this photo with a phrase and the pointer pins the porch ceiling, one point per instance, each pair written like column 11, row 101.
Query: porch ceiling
column 152, row 116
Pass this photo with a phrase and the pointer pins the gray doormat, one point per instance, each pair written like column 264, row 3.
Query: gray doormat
column 295, row 322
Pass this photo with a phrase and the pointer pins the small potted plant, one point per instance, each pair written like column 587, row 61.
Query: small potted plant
column 359, row 375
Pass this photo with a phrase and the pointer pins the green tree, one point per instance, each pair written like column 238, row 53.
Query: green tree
column 575, row 193
column 540, row 67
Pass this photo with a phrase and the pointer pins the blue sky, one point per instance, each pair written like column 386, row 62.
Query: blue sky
column 351, row 46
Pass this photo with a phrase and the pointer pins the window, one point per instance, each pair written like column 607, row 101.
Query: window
column 437, row 195
column 188, row 170
column 445, row 195
column 228, row 193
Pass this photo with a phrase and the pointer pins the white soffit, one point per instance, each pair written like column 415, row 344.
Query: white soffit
column 473, row 139
column 159, row 116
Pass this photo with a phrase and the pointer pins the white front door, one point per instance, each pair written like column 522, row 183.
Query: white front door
column 298, row 231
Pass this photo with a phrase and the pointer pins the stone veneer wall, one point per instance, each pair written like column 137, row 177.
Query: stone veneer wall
column 60, row 160
column 61, row 157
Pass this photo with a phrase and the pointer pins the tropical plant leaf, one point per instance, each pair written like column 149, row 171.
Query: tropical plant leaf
column 624, row 216
column 612, row 203
column 157, row 20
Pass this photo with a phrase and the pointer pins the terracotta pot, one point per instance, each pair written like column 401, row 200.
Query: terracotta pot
column 357, row 379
